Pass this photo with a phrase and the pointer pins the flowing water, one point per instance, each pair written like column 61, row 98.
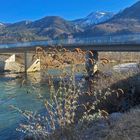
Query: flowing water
column 25, row 96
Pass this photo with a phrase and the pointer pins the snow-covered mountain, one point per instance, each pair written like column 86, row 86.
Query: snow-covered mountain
column 93, row 18
column 1, row 24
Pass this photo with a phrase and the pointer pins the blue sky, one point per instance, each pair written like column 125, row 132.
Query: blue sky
column 17, row 10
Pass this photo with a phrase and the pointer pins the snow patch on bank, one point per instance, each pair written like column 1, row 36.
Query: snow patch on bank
column 127, row 67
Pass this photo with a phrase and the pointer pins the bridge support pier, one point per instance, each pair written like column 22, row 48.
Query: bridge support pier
column 25, row 63
column 91, row 62
column 31, row 65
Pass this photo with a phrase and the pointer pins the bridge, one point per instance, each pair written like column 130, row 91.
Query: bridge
column 103, row 43
column 128, row 43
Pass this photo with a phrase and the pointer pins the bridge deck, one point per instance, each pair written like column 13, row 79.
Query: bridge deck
column 106, row 43
column 100, row 48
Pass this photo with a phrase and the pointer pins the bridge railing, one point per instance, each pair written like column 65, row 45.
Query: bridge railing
column 124, row 39
column 107, row 40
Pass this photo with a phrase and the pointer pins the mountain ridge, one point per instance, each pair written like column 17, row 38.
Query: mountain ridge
column 55, row 27
column 93, row 18
column 125, row 22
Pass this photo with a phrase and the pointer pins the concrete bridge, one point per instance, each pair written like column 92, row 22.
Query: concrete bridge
column 128, row 43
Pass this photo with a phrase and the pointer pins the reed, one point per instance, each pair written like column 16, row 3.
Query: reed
column 61, row 109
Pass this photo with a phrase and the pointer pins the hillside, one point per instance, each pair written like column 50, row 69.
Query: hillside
column 54, row 27
column 125, row 22
column 93, row 19
column 44, row 29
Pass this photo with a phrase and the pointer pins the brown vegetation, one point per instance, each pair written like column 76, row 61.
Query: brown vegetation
column 74, row 114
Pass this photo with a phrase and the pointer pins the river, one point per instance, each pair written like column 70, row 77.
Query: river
column 26, row 96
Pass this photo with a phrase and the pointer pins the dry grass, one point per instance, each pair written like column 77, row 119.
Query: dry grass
column 118, row 126
column 121, row 57
column 127, row 128
column 59, row 57
column 60, row 122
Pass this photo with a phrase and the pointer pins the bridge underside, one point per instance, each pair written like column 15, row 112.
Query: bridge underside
column 99, row 48
column 95, row 48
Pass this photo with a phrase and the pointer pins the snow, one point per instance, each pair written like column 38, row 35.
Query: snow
column 102, row 13
column 94, row 18
column 127, row 67
column 1, row 24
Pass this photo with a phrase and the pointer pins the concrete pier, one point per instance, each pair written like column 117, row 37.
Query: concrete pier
column 25, row 62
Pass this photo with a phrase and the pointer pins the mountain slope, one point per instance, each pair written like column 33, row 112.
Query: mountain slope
column 52, row 26
column 126, row 22
column 93, row 18
column 2, row 25
column 44, row 29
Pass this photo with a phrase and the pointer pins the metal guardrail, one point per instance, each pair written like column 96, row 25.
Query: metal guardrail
column 107, row 40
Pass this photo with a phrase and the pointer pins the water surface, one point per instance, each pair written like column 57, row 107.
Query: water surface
column 24, row 96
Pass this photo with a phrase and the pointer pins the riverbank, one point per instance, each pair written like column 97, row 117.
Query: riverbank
column 115, row 116
column 118, row 126
column 98, row 99
column 54, row 59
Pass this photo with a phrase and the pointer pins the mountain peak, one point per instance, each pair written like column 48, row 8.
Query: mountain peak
column 19, row 24
column 125, row 22
column 94, row 18
column 131, row 12
column 2, row 24
column 49, row 21
column 24, row 22
column 99, row 13
column 54, row 27
column 52, row 17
